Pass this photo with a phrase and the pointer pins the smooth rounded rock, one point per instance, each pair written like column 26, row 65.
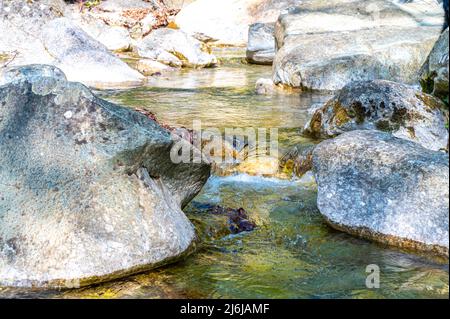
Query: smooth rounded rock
column 382, row 188
column 261, row 43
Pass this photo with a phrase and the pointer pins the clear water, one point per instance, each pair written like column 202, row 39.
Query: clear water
column 292, row 253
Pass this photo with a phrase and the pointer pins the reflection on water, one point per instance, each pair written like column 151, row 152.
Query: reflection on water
column 292, row 253
column 220, row 97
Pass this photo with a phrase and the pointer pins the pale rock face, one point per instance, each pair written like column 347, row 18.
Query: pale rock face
column 228, row 20
column 175, row 48
column 84, row 59
column 325, row 45
column 24, row 23
column 39, row 34
column 88, row 190
column 382, row 105
column 434, row 73
column 115, row 38
column 117, row 23
column 261, row 43
column 379, row 187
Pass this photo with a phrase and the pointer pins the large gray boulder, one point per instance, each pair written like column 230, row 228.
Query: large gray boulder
column 175, row 48
column 88, row 191
column 379, row 187
column 383, row 105
column 434, row 73
column 261, row 43
column 38, row 33
column 324, row 45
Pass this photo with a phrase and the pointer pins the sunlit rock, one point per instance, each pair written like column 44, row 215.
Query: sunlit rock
column 88, row 190
column 386, row 106
column 38, row 33
column 379, row 187
column 175, row 48
column 228, row 20
column 324, row 45
column 137, row 17
column 84, row 59
column 152, row 67
column 261, row 43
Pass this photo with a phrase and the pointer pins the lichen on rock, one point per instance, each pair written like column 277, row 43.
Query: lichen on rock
column 387, row 106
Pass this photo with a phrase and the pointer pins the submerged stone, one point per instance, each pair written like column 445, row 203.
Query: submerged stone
column 236, row 220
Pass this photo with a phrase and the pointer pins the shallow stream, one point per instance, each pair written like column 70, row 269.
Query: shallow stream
column 292, row 253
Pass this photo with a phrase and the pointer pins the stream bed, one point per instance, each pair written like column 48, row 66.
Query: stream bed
column 292, row 253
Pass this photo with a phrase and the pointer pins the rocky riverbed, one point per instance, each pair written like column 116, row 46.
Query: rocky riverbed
column 87, row 177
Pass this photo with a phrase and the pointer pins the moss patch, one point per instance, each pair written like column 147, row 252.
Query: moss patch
column 316, row 124
column 341, row 115
column 430, row 101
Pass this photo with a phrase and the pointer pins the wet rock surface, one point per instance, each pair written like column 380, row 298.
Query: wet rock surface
column 402, row 110
column 386, row 189
column 237, row 219
column 297, row 161
column 88, row 190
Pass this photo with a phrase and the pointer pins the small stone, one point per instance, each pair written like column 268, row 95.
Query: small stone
column 264, row 86
column 68, row 115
